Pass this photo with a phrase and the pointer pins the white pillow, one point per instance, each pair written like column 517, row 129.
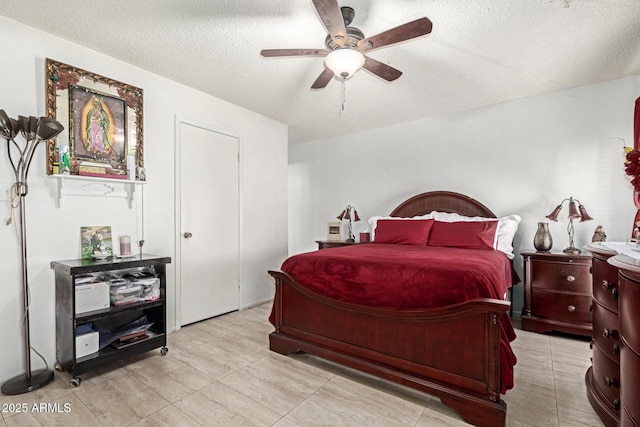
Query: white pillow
column 507, row 227
column 373, row 221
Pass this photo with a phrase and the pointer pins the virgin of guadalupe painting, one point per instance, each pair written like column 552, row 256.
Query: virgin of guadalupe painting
column 98, row 126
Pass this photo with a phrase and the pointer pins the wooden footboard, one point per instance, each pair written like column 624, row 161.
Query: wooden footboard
column 451, row 352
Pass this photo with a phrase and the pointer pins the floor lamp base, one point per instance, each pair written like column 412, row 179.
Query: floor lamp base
column 24, row 384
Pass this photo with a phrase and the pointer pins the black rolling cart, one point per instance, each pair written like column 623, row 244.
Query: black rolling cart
column 111, row 317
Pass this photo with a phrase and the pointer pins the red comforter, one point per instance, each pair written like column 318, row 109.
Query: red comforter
column 410, row 276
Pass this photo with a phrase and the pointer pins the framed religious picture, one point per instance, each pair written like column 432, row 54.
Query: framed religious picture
column 103, row 121
column 98, row 126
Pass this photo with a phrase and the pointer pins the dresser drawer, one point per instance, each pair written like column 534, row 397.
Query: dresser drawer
column 605, row 331
column 629, row 317
column 605, row 284
column 571, row 277
column 630, row 387
column 562, row 306
column 606, row 375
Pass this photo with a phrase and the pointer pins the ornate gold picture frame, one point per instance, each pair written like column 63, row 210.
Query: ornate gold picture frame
column 103, row 120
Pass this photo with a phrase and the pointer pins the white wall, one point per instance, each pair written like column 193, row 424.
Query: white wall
column 520, row 157
column 53, row 233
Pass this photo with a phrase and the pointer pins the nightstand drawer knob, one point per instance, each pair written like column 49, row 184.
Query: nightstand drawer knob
column 610, row 381
column 606, row 285
column 606, row 333
column 571, row 279
column 571, row 308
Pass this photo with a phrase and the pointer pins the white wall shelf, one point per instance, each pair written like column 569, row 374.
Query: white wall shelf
column 74, row 185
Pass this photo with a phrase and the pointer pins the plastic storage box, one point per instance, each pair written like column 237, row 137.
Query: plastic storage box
column 92, row 296
column 124, row 292
column 150, row 288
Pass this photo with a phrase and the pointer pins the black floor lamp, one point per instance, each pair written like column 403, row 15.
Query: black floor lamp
column 33, row 130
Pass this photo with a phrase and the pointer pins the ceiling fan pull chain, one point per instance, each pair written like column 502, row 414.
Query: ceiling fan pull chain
column 343, row 94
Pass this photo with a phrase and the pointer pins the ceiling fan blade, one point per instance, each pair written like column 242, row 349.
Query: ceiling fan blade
column 269, row 53
column 332, row 19
column 380, row 69
column 407, row 31
column 323, row 79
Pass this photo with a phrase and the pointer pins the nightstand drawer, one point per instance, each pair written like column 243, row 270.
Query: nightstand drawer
column 605, row 284
column 327, row 244
column 561, row 276
column 561, row 306
column 606, row 334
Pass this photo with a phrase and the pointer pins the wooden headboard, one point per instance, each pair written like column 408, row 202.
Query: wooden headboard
column 442, row 201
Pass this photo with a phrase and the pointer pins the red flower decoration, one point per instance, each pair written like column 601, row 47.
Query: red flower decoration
column 632, row 166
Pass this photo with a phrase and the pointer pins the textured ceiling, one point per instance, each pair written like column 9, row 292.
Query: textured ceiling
column 480, row 52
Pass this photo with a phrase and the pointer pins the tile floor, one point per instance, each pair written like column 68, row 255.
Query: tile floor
column 220, row 372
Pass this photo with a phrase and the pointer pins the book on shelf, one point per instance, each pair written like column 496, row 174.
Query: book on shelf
column 101, row 172
column 102, row 175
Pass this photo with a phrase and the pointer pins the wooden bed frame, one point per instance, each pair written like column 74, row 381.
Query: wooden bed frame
column 451, row 352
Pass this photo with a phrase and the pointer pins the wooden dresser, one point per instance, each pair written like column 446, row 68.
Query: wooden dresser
column 629, row 332
column 603, row 377
column 557, row 292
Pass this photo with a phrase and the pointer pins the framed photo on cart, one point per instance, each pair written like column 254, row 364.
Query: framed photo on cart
column 334, row 231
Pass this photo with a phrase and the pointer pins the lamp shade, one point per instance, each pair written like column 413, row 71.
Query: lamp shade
column 344, row 62
column 9, row 127
column 584, row 216
column 573, row 211
column 553, row 216
column 48, row 128
column 355, row 215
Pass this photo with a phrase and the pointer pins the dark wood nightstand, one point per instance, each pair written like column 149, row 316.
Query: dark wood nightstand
column 326, row 244
column 557, row 292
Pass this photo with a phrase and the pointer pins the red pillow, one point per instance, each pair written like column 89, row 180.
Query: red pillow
column 403, row 231
column 464, row 234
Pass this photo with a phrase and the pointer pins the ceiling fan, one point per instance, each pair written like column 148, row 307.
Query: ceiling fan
column 346, row 46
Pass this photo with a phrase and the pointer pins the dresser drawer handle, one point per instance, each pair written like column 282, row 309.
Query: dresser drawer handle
column 606, row 333
column 606, row 285
column 571, row 308
column 571, row 278
column 616, row 349
column 614, row 293
column 610, row 381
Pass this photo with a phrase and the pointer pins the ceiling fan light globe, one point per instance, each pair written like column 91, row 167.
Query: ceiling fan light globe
column 344, row 62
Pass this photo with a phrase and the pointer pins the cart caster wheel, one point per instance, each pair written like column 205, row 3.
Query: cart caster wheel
column 58, row 367
column 164, row 351
column 76, row 381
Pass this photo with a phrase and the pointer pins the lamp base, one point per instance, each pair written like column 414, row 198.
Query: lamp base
column 24, row 384
column 350, row 240
column 571, row 250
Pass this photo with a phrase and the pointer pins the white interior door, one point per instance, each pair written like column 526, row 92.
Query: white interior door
column 209, row 217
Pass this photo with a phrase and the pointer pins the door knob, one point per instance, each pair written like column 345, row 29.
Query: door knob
column 187, row 235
